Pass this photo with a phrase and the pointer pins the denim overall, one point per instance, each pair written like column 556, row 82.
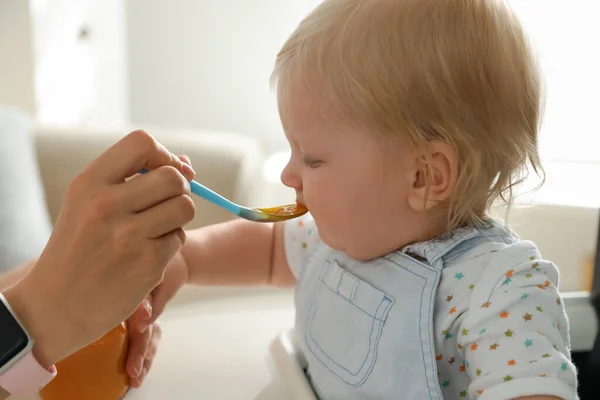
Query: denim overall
column 366, row 328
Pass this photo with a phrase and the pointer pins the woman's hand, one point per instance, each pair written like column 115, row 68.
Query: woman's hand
column 144, row 329
column 111, row 243
column 176, row 276
column 144, row 336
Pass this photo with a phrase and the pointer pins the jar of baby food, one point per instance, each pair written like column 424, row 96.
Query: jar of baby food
column 96, row 372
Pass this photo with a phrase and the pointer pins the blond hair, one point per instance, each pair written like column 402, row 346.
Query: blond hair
column 457, row 71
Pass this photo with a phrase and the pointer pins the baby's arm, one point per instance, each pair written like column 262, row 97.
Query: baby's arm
column 515, row 339
column 237, row 253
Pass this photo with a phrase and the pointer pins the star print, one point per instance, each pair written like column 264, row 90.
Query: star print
column 463, row 394
column 309, row 232
column 481, row 332
column 464, row 332
column 459, row 275
column 471, row 286
column 546, row 355
column 528, row 343
column 459, row 346
column 508, row 333
column 439, row 357
column 304, row 245
column 506, row 282
column 448, row 336
column 449, row 298
column 511, row 363
column 542, row 375
column 554, row 325
column 557, row 326
column 529, row 276
column 527, row 317
column 524, row 296
column 487, row 304
column 451, row 360
column 478, row 372
column 535, row 265
column 504, row 314
column 539, row 308
column 547, row 283
column 509, row 273
column 563, row 366
column 494, row 346
column 445, row 383
column 452, row 311
column 300, row 223
column 531, row 258
column 542, row 287
column 508, row 378
column 474, row 346
column 463, row 368
column 479, row 392
column 558, row 301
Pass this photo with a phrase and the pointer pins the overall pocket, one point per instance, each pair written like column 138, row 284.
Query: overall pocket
column 348, row 349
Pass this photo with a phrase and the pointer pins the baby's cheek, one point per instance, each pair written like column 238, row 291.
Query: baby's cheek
column 324, row 205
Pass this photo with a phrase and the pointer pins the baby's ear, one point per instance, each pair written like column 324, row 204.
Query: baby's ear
column 435, row 177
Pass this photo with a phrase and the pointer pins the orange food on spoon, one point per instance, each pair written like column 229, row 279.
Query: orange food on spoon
column 96, row 372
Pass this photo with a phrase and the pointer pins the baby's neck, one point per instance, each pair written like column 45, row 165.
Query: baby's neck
column 398, row 233
column 429, row 229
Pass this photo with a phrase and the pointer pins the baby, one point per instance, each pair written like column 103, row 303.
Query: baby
column 406, row 120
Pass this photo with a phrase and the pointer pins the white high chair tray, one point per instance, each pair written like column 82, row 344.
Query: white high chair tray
column 290, row 366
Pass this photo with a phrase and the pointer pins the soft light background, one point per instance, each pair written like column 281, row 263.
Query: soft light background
column 205, row 64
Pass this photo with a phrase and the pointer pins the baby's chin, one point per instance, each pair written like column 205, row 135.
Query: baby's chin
column 332, row 241
column 359, row 253
column 360, row 250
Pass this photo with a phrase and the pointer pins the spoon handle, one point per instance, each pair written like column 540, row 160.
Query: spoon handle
column 207, row 194
column 215, row 198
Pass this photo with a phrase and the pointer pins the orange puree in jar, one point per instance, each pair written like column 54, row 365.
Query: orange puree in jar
column 96, row 372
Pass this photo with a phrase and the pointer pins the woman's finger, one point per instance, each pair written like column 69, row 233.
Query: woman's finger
column 150, row 355
column 138, row 347
column 185, row 159
column 152, row 188
column 134, row 152
column 166, row 217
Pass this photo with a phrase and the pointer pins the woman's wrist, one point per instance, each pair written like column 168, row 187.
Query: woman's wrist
column 43, row 319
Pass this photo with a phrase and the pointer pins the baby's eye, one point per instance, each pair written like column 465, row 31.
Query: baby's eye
column 310, row 162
